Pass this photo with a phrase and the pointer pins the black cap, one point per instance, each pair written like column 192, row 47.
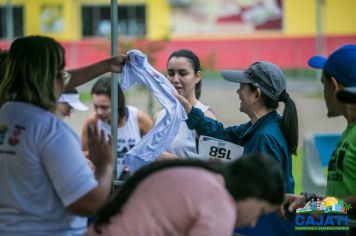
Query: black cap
column 347, row 95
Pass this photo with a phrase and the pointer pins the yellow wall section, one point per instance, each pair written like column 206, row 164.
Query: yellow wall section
column 339, row 17
column 157, row 13
column 32, row 9
column 158, row 19
column 299, row 17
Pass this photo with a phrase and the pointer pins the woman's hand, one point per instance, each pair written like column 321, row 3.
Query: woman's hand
column 116, row 63
column 186, row 105
column 292, row 202
column 167, row 156
column 99, row 147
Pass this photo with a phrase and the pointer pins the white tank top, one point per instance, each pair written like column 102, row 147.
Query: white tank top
column 128, row 135
column 184, row 144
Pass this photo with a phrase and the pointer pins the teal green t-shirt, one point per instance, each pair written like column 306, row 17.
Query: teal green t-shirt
column 341, row 180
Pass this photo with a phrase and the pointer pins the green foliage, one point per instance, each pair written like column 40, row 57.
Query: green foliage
column 85, row 96
column 300, row 74
column 291, row 74
column 297, row 169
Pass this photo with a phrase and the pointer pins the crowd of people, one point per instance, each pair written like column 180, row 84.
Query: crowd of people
column 52, row 181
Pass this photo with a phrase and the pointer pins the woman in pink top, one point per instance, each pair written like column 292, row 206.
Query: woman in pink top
column 190, row 197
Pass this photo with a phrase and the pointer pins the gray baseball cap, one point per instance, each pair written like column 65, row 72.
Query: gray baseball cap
column 264, row 75
column 347, row 95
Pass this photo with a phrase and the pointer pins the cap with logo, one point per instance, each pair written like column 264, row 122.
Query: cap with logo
column 73, row 100
column 264, row 75
column 341, row 64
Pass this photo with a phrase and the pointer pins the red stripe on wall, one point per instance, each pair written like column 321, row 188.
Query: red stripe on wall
column 222, row 53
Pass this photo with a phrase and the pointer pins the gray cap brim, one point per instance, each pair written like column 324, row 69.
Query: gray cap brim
column 235, row 76
column 347, row 95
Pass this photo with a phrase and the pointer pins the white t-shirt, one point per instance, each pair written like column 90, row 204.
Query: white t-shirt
column 184, row 143
column 128, row 135
column 42, row 171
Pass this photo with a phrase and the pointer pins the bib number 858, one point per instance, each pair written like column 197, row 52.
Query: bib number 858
column 220, row 152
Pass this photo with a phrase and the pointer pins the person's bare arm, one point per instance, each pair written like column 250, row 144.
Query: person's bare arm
column 87, row 73
column 145, row 122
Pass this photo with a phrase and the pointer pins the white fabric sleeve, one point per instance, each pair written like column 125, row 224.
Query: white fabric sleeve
column 66, row 166
column 161, row 136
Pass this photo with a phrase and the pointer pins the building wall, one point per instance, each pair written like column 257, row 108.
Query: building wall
column 339, row 17
column 289, row 47
column 157, row 11
column 299, row 18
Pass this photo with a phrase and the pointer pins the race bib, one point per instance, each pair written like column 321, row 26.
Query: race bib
column 216, row 149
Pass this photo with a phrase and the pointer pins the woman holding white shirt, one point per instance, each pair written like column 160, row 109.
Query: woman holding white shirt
column 184, row 72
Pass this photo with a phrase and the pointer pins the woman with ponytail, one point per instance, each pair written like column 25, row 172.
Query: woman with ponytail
column 262, row 88
column 191, row 197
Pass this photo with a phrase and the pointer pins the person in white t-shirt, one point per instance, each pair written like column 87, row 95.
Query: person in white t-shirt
column 46, row 183
column 133, row 123
column 184, row 72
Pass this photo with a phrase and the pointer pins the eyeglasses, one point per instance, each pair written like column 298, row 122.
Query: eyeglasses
column 66, row 76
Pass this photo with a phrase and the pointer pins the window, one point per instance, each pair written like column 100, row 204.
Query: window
column 17, row 21
column 96, row 20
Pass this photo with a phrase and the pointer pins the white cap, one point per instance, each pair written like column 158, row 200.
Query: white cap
column 73, row 100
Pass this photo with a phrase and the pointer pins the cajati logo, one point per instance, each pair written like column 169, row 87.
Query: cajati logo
column 323, row 214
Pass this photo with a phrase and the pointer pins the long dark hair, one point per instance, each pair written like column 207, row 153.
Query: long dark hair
column 257, row 176
column 194, row 60
column 245, row 177
column 289, row 121
column 3, row 55
column 103, row 87
column 31, row 68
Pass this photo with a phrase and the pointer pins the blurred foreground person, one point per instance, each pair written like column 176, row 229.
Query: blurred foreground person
column 44, row 177
column 190, row 197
